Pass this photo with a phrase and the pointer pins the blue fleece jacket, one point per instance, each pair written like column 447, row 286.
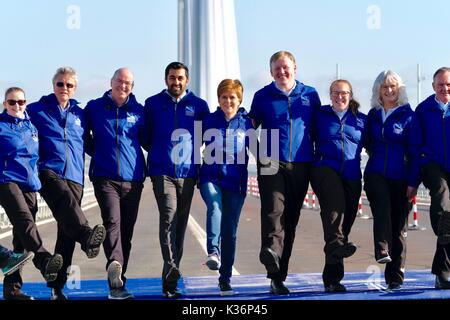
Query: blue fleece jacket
column 229, row 151
column 339, row 142
column 434, row 130
column 174, row 145
column 19, row 152
column 61, row 137
column 393, row 146
column 117, row 134
column 291, row 116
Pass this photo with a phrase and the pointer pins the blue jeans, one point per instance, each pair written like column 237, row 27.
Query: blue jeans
column 222, row 217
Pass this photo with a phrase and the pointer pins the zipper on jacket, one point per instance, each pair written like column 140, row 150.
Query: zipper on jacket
column 66, row 143
column 28, row 143
column 387, row 150
column 6, row 164
column 175, row 127
column 290, row 133
column 343, row 145
column 445, row 140
column 117, row 142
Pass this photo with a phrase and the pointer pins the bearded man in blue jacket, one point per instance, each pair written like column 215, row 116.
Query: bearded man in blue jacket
column 173, row 164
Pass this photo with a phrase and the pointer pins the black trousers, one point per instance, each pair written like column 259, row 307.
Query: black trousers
column 338, row 200
column 174, row 198
column 437, row 182
column 21, row 208
column 390, row 209
column 119, row 206
column 282, row 195
column 64, row 200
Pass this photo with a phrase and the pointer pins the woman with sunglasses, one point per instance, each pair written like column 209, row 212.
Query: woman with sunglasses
column 339, row 135
column 18, row 185
column 391, row 176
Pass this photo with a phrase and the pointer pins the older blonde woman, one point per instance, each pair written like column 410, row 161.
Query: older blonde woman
column 392, row 173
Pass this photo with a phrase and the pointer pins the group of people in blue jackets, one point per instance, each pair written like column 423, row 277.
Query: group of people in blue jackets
column 305, row 143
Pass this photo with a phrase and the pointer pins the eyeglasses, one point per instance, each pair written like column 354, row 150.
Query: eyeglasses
column 62, row 84
column 13, row 102
column 340, row 93
column 126, row 83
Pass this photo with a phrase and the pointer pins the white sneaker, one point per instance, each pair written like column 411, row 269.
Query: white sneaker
column 115, row 274
column 213, row 261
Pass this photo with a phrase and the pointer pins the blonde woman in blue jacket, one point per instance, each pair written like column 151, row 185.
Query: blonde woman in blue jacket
column 391, row 176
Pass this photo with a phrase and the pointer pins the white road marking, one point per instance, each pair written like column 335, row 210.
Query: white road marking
column 200, row 235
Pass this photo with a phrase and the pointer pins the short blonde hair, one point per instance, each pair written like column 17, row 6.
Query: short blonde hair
column 231, row 85
column 279, row 55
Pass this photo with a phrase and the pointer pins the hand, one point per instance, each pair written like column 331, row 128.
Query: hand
column 411, row 193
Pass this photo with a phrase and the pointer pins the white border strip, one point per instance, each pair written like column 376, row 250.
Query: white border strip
column 200, row 235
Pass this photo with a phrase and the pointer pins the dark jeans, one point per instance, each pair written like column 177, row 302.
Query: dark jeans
column 64, row 200
column 437, row 182
column 119, row 206
column 282, row 197
column 390, row 209
column 338, row 200
column 21, row 208
column 174, row 197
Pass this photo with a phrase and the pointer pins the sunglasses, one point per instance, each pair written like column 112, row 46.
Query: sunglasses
column 12, row 102
column 62, row 84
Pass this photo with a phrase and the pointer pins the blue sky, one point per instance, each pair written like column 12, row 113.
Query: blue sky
column 143, row 36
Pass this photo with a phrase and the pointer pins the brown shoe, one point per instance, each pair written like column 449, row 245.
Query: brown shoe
column 13, row 291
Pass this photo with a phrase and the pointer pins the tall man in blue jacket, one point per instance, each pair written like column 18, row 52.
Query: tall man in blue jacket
column 117, row 170
column 284, row 109
column 173, row 164
column 434, row 120
column 61, row 126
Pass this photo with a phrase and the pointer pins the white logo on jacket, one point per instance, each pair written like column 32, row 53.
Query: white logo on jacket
column 398, row 129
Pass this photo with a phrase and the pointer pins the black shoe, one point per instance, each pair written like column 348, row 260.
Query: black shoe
column 13, row 291
column 225, row 289
column 336, row 287
column 345, row 250
column 444, row 229
column 270, row 260
column 58, row 294
column 278, row 287
column 119, row 294
column 54, row 264
column 172, row 293
column 95, row 240
column 442, row 283
column 384, row 257
column 173, row 275
column 394, row 286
